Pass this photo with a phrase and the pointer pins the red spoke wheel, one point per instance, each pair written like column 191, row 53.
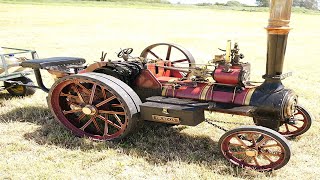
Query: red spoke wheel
column 255, row 147
column 95, row 105
column 298, row 124
column 178, row 56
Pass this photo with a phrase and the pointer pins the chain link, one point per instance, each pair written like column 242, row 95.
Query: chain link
column 217, row 126
column 212, row 122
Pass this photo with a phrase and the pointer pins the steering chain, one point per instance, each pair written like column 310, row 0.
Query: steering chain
column 212, row 122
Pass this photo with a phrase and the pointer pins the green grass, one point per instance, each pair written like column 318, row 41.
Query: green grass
column 34, row 146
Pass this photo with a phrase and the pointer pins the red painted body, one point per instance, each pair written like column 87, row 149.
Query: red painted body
column 233, row 76
column 205, row 92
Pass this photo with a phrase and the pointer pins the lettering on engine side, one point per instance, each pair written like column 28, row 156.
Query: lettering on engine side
column 165, row 119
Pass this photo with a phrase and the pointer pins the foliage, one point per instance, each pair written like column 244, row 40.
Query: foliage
column 308, row 4
column 229, row 3
column 204, row 4
column 234, row 3
column 263, row 3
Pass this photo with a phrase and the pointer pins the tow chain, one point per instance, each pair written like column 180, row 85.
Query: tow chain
column 212, row 122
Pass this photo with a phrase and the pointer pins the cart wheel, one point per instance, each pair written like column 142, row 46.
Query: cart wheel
column 255, row 147
column 298, row 124
column 95, row 105
column 20, row 90
column 177, row 55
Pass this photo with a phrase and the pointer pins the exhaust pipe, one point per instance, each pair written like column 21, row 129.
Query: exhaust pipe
column 278, row 30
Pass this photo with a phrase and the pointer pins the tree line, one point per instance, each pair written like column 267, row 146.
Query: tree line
column 308, row 4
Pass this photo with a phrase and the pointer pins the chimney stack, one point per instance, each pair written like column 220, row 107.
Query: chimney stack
column 278, row 30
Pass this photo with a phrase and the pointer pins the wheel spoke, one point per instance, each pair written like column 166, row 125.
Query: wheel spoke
column 96, row 124
column 256, row 161
column 78, row 93
column 68, row 95
column 106, row 130
column 84, row 89
column 271, row 154
column 114, row 125
column 81, row 117
column 237, row 152
column 264, row 139
column 153, row 54
column 92, row 93
column 109, row 122
column 253, row 140
column 87, row 124
column 267, row 158
column 270, row 145
column 168, row 53
column 71, row 111
column 118, row 119
column 117, row 105
column 287, row 128
column 106, row 101
column 103, row 93
column 244, row 159
column 232, row 144
column 241, row 142
column 294, row 126
column 111, row 112
column 179, row 61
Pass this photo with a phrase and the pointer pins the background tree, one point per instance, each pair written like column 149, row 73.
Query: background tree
column 234, row 3
column 308, row 4
column 263, row 3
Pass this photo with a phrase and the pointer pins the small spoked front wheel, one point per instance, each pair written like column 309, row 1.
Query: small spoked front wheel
column 255, row 147
column 20, row 90
column 95, row 105
column 298, row 124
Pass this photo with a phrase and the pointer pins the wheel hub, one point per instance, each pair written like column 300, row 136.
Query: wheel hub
column 89, row 110
column 251, row 152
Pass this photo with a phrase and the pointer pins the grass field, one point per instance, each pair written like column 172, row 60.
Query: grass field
column 34, row 146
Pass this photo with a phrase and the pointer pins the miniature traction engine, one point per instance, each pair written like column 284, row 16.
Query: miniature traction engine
column 108, row 100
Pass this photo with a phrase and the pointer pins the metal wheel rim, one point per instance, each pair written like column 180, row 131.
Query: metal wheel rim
column 254, row 162
column 290, row 130
column 96, row 125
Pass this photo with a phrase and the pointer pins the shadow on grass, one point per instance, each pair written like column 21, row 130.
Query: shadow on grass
column 154, row 142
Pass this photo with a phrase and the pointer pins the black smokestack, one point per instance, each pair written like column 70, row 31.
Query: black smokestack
column 278, row 30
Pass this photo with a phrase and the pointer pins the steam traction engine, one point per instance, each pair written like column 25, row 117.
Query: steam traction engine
column 108, row 100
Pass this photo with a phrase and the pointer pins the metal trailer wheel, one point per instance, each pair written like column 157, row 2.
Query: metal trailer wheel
column 298, row 124
column 95, row 105
column 177, row 55
column 255, row 147
column 20, row 90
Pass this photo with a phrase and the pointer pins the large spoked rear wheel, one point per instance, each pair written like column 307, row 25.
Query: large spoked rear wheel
column 299, row 123
column 255, row 147
column 95, row 105
column 20, row 90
